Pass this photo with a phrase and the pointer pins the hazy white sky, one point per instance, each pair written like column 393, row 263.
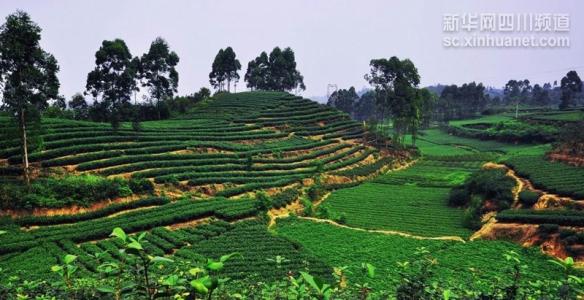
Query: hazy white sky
column 333, row 40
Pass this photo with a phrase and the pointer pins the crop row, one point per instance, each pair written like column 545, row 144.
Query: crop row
column 198, row 134
column 559, row 217
column 133, row 221
column 367, row 169
column 258, row 251
column 169, row 160
column 167, row 138
column 417, row 210
column 106, row 151
column 250, row 187
column 284, row 198
column 554, row 177
column 328, row 162
column 32, row 220
column 329, row 128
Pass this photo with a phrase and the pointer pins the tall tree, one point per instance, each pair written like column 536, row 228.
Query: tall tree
column 60, row 103
column 217, row 76
column 274, row 72
column 231, row 67
column 157, row 69
column 28, row 74
column 540, row 95
column 225, row 68
column 395, row 83
column 79, row 106
column 517, row 92
column 365, row 108
column 257, row 73
column 344, row 100
column 113, row 79
column 569, row 86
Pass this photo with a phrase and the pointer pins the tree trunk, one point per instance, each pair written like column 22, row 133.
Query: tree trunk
column 25, row 166
column 228, row 85
column 158, row 108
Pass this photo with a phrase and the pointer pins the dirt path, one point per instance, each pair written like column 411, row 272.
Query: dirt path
column 387, row 232
column 283, row 212
column 546, row 199
column 297, row 206
column 520, row 183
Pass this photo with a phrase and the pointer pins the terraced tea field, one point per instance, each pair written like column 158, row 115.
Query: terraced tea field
column 213, row 168
column 463, row 263
column 233, row 145
column 229, row 147
column 555, row 177
column 413, row 200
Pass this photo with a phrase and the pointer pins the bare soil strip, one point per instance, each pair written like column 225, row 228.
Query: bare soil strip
column 388, row 232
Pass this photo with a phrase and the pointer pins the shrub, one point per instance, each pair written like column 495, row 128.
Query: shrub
column 528, row 198
column 315, row 192
column 59, row 192
column 459, row 196
column 547, row 229
column 492, row 184
column 141, row 185
column 472, row 215
column 264, row 202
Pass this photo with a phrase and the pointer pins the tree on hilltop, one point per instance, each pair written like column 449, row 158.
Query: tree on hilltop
column 113, row 79
column 224, row 69
column 157, row 70
column 276, row 71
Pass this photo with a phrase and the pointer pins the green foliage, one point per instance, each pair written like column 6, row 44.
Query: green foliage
column 551, row 176
column 284, row 198
column 225, row 68
column 114, row 78
column 493, row 185
column 402, row 208
column 133, row 221
column 528, row 198
column 395, row 83
column 563, row 217
column 315, row 192
column 29, row 76
column 510, row 131
column 486, row 190
column 431, row 268
column 157, row 68
column 109, row 210
column 458, row 197
column 276, row 72
column 59, row 192
column 141, row 185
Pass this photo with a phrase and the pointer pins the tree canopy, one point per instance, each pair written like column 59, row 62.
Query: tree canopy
column 274, row 72
column 225, row 69
column 395, row 82
column 463, row 101
column 569, row 86
column 344, row 100
column 114, row 78
column 158, row 70
column 28, row 74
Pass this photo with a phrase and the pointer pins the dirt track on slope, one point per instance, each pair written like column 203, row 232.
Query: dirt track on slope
column 387, row 232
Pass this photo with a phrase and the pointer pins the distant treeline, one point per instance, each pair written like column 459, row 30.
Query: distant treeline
column 470, row 99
